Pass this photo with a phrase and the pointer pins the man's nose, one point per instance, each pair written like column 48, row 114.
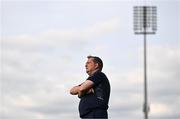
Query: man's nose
column 86, row 65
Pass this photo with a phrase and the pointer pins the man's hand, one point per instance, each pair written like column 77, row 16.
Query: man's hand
column 74, row 90
column 82, row 89
column 90, row 91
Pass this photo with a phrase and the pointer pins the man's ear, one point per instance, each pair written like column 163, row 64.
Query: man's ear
column 96, row 65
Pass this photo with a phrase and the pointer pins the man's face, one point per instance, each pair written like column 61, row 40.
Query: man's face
column 90, row 66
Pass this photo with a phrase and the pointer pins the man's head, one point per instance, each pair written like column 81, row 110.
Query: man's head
column 93, row 64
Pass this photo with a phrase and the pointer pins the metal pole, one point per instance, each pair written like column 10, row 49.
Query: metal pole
column 145, row 81
column 145, row 65
column 144, row 24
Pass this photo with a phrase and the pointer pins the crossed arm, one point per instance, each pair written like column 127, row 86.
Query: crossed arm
column 85, row 87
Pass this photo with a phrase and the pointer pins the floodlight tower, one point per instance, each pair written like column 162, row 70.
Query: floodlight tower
column 145, row 22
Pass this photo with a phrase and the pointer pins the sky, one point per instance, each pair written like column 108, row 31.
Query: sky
column 45, row 44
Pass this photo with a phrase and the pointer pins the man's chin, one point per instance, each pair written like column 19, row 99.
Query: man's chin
column 88, row 72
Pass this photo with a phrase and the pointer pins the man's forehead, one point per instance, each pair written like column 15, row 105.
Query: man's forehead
column 90, row 59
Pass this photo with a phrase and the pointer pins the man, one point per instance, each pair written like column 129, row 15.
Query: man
column 94, row 92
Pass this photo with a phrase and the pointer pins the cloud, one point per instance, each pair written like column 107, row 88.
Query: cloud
column 37, row 84
column 160, row 109
column 163, row 86
column 39, row 70
column 63, row 37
